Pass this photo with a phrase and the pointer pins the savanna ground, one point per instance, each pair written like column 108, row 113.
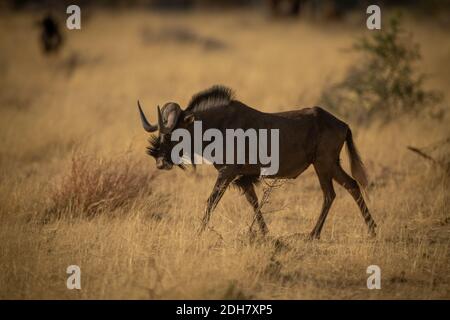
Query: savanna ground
column 78, row 188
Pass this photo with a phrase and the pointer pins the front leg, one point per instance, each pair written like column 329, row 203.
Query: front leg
column 225, row 177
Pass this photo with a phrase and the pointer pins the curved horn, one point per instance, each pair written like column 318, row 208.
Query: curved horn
column 172, row 113
column 171, row 120
column 147, row 126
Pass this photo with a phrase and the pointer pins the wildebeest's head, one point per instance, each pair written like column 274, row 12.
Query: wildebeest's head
column 170, row 117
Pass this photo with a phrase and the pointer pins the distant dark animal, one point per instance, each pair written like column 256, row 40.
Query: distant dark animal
column 283, row 7
column 307, row 136
column 51, row 38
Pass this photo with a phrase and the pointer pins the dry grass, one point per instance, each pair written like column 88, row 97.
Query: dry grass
column 148, row 248
column 93, row 186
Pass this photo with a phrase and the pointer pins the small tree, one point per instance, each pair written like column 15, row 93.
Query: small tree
column 385, row 83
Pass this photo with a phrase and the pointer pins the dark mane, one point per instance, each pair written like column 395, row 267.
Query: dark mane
column 216, row 96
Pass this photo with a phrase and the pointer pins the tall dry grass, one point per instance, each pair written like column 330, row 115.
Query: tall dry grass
column 144, row 244
column 95, row 185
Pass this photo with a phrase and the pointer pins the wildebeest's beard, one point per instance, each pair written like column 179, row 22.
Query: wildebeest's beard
column 158, row 149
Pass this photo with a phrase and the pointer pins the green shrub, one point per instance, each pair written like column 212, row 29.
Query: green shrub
column 385, row 83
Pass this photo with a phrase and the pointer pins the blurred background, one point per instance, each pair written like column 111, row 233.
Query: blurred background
column 76, row 186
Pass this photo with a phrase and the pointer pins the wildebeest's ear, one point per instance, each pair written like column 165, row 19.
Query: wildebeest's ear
column 188, row 119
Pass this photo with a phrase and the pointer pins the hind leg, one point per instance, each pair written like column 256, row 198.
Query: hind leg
column 352, row 187
column 326, row 183
column 252, row 198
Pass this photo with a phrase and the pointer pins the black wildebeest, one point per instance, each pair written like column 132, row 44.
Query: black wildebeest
column 307, row 136
column 51, row 38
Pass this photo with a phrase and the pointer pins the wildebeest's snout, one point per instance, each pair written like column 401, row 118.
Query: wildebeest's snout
column 162, row 164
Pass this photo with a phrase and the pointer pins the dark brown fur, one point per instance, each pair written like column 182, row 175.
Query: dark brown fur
column 310, row 136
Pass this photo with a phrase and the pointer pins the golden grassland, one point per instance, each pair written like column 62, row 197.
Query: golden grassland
column 145, row 245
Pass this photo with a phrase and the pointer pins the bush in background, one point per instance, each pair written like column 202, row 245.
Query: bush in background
column 385, row 83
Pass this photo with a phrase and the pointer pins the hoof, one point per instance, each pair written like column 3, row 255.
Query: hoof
column 200, row 230
column 372, row 233
column 264, row 232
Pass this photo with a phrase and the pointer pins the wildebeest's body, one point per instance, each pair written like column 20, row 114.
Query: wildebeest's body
column 237, row 115
column 307, row 136
column 303, row 134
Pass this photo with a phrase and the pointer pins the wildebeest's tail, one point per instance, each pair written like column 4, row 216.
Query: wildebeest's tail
column 356, row 164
